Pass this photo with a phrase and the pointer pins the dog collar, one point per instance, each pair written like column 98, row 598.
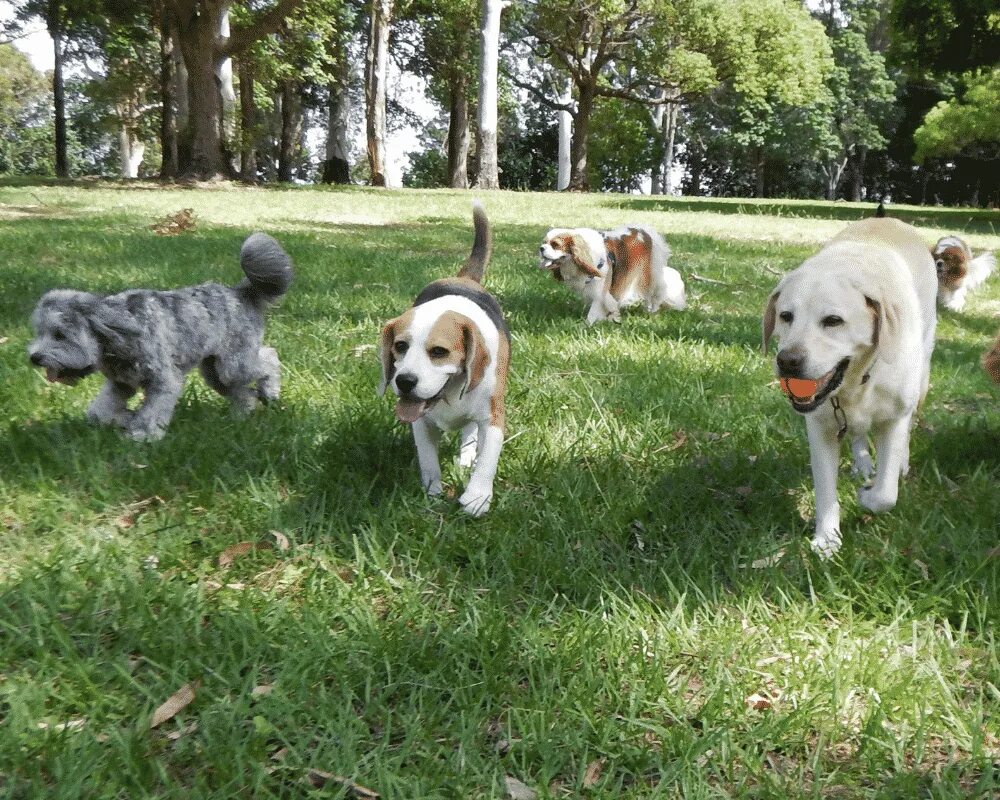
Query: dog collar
column 838, row 412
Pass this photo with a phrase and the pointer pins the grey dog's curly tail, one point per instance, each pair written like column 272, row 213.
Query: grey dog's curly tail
column 267, row 266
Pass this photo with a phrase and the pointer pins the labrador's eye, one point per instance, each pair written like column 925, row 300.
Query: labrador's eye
column 401, row 347
column 438, row 352
column 786, row 316
column 832, row 321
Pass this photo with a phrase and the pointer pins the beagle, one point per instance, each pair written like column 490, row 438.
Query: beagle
column 614, row 270
column 958, row 272
column 446, row 359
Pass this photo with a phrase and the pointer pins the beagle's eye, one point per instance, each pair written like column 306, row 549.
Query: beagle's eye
column 438, row 352
column 400, row 346
column 832, row 321
column 786, row 316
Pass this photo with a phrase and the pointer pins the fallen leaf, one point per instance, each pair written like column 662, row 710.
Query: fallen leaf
column 923, row 569
column 680, row 439
column 262, row 690
column 279, row 754
column 361, row 349
column 125, row 521
column 191, row 727
column 766, row 561
column 519, row 791
column 231, row 553
column 174, row 224
column 758, row 702
column 280, row 541
column 177, row 702
column 69, row 725
column 319, row 779
column 593, row 773
column 4, row 339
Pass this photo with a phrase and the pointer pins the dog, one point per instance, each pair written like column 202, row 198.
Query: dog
column 148, row 340
column 446, row 360
column 991, row 361
column 958, row 272
column 614, row 270
column 856, row 325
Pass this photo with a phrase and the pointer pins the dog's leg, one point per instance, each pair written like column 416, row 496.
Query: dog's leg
column 470, row 438
column 150, row 420
column 892, row 449
column 109, row 407
column 862, row 463
column 596, row 311
column 612, row 308
column 478, row 494
column 426, row 436
column 824, row 457
column 269, row 384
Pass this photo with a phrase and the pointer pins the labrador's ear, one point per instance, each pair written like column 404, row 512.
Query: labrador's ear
column 477, row 357
column 876, row 308
column 885, row 327
column 385, row 354
column 579, row 251
column 115, row 327
column 769, row 320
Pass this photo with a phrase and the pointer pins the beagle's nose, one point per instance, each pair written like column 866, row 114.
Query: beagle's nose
column 405, row 382
column 790, row 361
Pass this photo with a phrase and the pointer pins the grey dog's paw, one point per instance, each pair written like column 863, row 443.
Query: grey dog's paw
column 145, row 433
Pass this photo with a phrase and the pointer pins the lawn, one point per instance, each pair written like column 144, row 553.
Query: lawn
column 638, row 616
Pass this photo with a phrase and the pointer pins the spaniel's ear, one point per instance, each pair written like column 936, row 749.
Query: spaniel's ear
column 769, row 320
column 385, row 354
column 115, row 327
column 579, row 251
column 477, row 357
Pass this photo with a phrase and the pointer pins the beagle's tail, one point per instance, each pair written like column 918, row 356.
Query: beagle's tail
column 482, row 247
column 268, row 269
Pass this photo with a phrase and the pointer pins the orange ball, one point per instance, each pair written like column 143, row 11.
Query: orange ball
column 799, row 387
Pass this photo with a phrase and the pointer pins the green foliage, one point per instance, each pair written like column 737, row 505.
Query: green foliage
column 25, row 106
column 953, row 125
column 623, row 146
column 936, row 37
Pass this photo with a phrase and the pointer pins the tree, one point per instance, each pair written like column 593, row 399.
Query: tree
column 931, row 38
column 489, row 60
column 376, row 67
column 198, row 26
column 25, row 105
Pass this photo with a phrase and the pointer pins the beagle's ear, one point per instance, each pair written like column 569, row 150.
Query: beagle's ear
column 579, row 251
column 385, row 354
column 769, row 320
column 477, row 357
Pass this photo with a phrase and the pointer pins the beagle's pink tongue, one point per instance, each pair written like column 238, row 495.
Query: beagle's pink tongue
column 410, row 410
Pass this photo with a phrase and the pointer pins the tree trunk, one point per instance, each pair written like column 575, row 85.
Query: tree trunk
column 55, row 26
column 458, row 134
column 198, row 46
column 858, row 173
column 337, row 165
column 657, row 112
column 132, row 151
column 248, row 124
column 224, row 78
column 565, row 137
column 669, row 136
column 376, row 64
column 760, row 161
column 168, row 100
column 489, row 58
column 579, row 179
column 290, row 131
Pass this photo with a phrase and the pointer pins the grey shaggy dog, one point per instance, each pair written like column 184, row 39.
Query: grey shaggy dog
column 149, row 340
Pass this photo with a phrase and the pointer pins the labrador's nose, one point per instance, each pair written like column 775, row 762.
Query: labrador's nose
column 790, row 361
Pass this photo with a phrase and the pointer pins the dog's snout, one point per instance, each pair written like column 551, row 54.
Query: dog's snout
column 35, row 358
column 406, row 382
column 791, row 361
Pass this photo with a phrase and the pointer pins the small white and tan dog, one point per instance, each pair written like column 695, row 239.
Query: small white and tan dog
column 447, row 359
column 614, row 270
column 856, row 327
column 958, row 272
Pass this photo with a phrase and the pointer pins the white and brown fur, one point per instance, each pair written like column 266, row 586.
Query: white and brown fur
column 991, row 361
column 446, row 359
column 958, row 272
column 614, row 270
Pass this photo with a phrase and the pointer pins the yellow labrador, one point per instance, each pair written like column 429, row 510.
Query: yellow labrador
column 855, row 325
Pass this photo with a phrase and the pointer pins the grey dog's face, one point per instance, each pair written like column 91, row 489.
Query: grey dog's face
column 64, row 344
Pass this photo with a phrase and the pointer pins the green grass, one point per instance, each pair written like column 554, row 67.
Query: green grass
column 613, row 605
